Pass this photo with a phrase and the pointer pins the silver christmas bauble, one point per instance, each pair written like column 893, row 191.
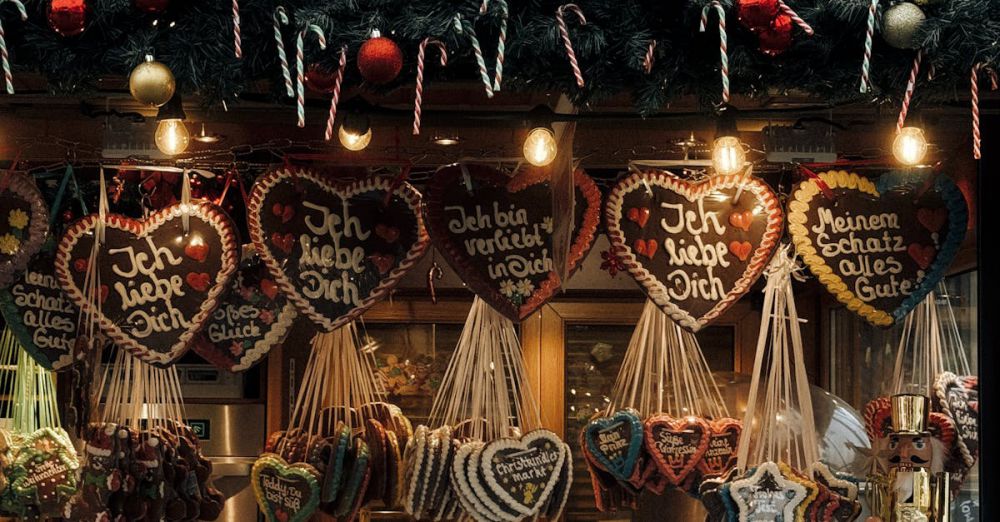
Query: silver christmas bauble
column 900, row 24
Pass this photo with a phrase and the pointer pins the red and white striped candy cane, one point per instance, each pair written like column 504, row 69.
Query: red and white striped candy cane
column 866, row 83
column 237, row 40
column 976, row 139
column 281, row 18
column 806, row 28
column 723, row 43
column 908, row 95
column 647, row 61
column 8, row 76
column 335, row 96
column 501, row 44
column 567, row 43
column 300, row 68
column 419, row 91
column 463, row 26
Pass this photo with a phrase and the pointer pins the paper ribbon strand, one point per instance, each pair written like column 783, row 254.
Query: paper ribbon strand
column 567, row 43
column 419, row 91
column 866, row 83
column 7, row 75
column 465, row 27
column 929, row 345
column 723, row 43
column 281, row 18
column 300, row 68
column 779, row 423
column 335, row 95
column 32, row 403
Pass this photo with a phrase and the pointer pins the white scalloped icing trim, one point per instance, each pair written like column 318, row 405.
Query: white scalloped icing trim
column 459, row 477
column 490, row 450
column 791, row 505
column 414, row 466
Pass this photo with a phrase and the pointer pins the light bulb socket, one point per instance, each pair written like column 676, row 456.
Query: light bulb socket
column 726, row 122
column 357, row 123
column 172, row 110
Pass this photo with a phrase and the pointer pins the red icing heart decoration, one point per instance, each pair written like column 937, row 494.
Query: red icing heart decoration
column 932, row 219
column 104, row 293
column 80, row 265
column 285, row 212
column 153, row 306
column 497, row 232
column 720, row 457
column 741, row 220
column 329, row 258
column 269, row 288
column 695, row 276
column 740, row 249
column 922, row 254
column 198, row 280
column 676, row 445
column 639, row 216
column 198, row 251
column 389, row 234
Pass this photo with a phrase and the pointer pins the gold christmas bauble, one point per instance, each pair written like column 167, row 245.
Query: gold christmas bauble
column 900, row 24
column 152, row 83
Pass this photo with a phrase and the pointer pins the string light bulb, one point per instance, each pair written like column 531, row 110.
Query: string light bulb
column 728, row 154
column 356, row 132
column 540, row 146
column 172, row 136
column 910, row 146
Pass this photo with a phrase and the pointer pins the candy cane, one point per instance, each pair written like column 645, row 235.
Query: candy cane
column 647, row 61
column 281, row 18
column 976, row 139
column 335, row 96
column 789, row 12
column 908, row 95
column 300, row 68
column 501, row 44
column 723, row 43
column 8, row 76
column 466, row 27
column 237, row 41
column 567, row 43
column 866, row 84
column 419, row 92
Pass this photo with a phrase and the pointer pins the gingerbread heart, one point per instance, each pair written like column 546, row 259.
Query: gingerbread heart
column 324, row 256
column 158, row 298
column 720, row 457
column 284, row 492
column 869, row 247
column 522, row 473
column 615, row 442
column 496, row 232
column 958, row 398
column 676, row 445
column 24, row 223
column 706, row 259
column 249, row 321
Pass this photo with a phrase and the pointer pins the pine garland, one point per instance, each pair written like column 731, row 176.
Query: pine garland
column 610, row 48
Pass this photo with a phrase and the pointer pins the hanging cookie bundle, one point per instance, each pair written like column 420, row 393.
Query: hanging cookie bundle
column 931, row 369
column 343, row 447
column 141, row 461
column 488, row 459
column 38, row 464
column 778, row 474
column 665, row 424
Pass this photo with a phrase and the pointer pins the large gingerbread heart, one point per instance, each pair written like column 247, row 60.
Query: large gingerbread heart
column 615, row 442
column 285, row 493
column 676, row 445
column 252, row 317
column 958, row 398
column 24, row 223
column 158, row 283
column 695, row 248
column 720, row 457
column 878, row 248
column 335, row 250
column 496, row 232
column 40, row 314
column 522, row 473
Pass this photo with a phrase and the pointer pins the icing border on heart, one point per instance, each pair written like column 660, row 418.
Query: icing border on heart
column 655, row 289
column 808, row 189
column 485, row 455
column 942, row 385
column 623, row 470
column 463, row 264
column 282, row 468
column 402, row 190
column 23, row 187
column 211, row 214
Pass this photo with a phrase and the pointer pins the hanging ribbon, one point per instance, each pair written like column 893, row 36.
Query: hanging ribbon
column 462, row 26
column 908, row 95
column 866, row 84
column 647, row 61
column 335, row 95
column 237, row 40
column 789, row 12
column 281, row 18
column 7, row 75
column 419, row 91
column 723, row 43
column 300, row 68
column 567, row 43
column 501, row 44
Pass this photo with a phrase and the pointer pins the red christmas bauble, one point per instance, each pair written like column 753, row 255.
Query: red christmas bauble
column 777, row 38
column 320, row 79
column 380, row 60
column 757, row 15
column 152, row 6
column 68, row 17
